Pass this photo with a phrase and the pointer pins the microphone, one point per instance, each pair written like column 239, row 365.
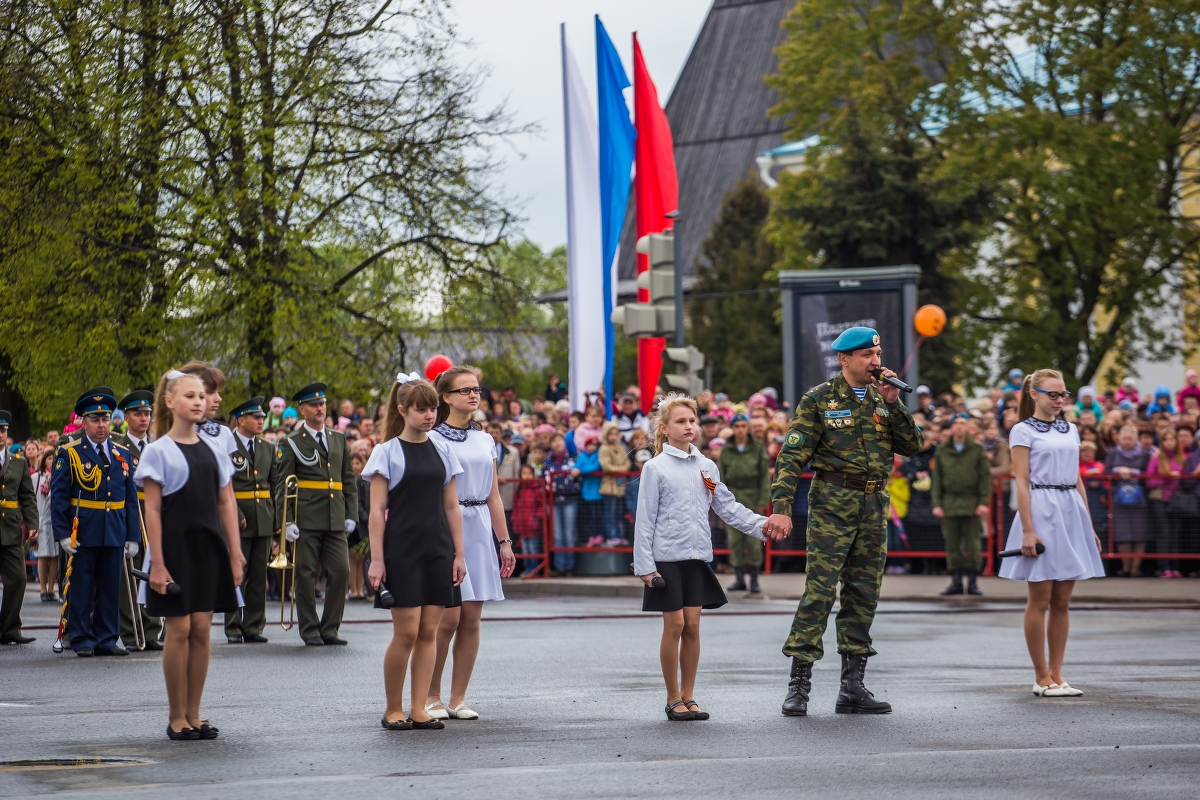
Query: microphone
column 172, row 588
column 659, row 582
column 385, row 597
column 1041, row 548
column 877, row 373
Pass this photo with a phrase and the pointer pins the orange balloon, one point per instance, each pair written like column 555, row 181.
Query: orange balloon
column 436, row 365
column 930, row 320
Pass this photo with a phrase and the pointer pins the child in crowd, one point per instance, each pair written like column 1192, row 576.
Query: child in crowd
column 566, row 484
column 612, row 488
column 529, row 515
column 588, row 464
column 537, row 459
column 672, row 541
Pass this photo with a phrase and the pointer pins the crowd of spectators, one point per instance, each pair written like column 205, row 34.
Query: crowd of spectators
column 1139, row 457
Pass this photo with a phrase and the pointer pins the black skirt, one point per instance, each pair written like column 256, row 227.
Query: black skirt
column 690, row 583
column 418, row 550
column 194, row 548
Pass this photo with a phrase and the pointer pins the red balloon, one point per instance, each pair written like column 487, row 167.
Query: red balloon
column 436, row 365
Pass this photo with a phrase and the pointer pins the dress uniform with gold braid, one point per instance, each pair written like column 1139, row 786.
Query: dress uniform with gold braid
column 137, row 400
column 253, row 479
column 328, row 510
column 17, row 505
column 93, row 485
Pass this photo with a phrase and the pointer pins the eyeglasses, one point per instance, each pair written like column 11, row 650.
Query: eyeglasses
column 1054, row 395
column 466, row 391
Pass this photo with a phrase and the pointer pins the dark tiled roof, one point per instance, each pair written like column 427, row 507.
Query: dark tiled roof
column 718, row 115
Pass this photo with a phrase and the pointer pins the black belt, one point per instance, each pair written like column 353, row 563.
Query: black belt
column 867, row 485
column 1061, row 487
column 472, row 502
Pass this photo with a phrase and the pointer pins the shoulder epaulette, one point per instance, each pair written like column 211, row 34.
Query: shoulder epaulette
column 71, row 443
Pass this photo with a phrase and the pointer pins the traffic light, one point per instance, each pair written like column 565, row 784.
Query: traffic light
column 689, row 366
column 656, row 318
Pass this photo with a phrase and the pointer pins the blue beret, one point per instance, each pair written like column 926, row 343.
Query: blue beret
column 855, row 339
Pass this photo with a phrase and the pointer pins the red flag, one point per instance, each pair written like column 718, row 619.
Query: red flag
column 657, row 190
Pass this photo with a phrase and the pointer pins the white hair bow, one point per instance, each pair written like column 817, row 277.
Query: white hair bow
column 412, row 376
column 173, row 374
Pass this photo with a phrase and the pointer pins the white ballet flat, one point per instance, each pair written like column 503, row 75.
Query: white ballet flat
column 1063, row 690
column 436, row 711
column 1040, row 691
column 461, row 711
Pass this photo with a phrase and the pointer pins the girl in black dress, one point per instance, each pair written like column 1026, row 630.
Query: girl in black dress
column 192, row 530
column 416, row 543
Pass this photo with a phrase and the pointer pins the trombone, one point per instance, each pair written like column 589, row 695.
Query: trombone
column 284, row 562
column 130, row 584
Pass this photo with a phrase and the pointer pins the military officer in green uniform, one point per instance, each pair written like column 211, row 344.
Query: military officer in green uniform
column 17, row 505
column 846, row 431
column 137, row 406
column 253, row 479
column 747, row 472
column 328, row 510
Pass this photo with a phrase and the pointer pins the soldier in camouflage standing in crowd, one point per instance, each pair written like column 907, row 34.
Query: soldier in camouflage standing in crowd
column 846, row 430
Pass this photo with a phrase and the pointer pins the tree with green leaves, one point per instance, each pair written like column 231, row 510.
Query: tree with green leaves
column 733, row 310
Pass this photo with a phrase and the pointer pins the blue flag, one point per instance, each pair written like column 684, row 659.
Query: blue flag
column 617, row 137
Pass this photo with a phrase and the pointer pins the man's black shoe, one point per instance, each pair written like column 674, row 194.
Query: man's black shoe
column 255, row 638
column 234, row 639
column 18, row 639
column 316, row 641
column 334, row 640
column 112, row 651
column 84, row 652
column 854, row 698
column 796, row 704
column 955, row 586
column 153, row 644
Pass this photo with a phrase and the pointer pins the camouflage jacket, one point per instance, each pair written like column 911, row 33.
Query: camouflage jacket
column 833, row 430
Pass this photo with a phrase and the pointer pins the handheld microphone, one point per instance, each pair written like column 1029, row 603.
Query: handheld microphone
column 385, row 597
column 877, row 373
column 172, row 588
column 1041, row 548
column 659, row 582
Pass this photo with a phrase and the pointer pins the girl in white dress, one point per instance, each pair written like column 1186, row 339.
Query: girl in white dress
column 1052, row 510
column 484, row 527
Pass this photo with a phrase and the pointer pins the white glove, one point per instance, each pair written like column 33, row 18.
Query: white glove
column 351, row 524
column 131, row 549
column 65, row 544
column 292, row 532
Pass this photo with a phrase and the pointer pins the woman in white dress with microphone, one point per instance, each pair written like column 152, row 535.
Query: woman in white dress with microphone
column 1052, row 510
column 484, row 527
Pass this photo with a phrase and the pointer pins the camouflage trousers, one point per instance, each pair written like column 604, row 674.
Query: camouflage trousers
column 847, row 542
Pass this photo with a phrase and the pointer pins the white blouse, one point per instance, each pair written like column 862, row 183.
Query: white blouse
column 387, row 459
column 672, row 512
column 164, row 463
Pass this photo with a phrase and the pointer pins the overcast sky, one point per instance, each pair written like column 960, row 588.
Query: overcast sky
column 518, row 41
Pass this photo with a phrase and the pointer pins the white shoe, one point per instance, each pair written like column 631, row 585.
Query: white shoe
column 461, row 711
column 1063, row 690
column 436, row 710
column 1041, row 691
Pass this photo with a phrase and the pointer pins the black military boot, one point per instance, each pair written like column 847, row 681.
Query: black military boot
column 740, row 584
column 854, row 698
column 955, row 586
column 754, row 587
column 796, row 704
column 971, row 587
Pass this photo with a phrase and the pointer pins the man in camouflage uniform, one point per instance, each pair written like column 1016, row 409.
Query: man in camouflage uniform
column 846, row 430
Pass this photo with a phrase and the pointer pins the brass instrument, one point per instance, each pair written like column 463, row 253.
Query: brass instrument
column 130, row 584
column 282, row 561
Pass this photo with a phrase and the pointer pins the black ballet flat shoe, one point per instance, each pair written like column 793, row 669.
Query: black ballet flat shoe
column 398, row 725
column 207, row 731
column 334, row 640
column 18, row 639
column 697, row 714
column 316, row 641
column 234, row 639
column 427, row 725
column 153, row 644
column 185, row 735
column 679, row 716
